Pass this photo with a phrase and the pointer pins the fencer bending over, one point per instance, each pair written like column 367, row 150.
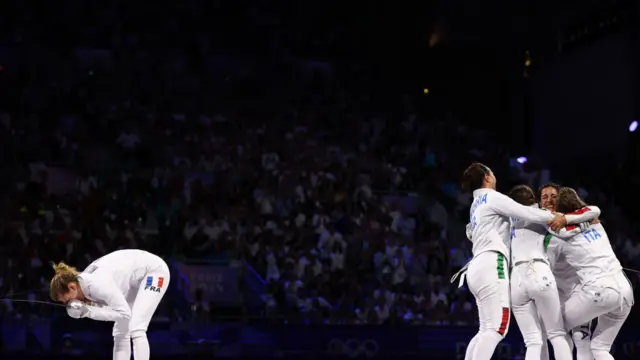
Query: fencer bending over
column 124, row 286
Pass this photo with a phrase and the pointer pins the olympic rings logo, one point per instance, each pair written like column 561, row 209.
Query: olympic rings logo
column 353, row 347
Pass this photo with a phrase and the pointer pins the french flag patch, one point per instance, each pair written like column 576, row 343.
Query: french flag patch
column 156, row 282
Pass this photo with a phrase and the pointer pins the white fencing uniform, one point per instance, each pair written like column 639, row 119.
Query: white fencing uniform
column 567, row 280
column 487, row 273
column 534, row 294
column 129, row 284
column 566, row 276
column 604, row 290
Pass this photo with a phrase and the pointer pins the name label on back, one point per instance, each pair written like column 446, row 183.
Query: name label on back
column 472, row 217
column 591, row 235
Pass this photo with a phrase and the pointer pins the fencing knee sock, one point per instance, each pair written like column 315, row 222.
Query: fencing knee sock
column 544, row 352
column 561, row 348
column 141, row 349
column 582, row 342
column 468, row 355
column 534, row 352
column 486, row 345
column 570, row 341
column 121, row 348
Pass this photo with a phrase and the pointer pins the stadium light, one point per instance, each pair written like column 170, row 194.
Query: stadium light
column 633, row 126
column 521, row 160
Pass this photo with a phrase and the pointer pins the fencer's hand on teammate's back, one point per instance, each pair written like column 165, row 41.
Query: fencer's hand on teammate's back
column 558, row 222
column 77, row 309
column 584, row 226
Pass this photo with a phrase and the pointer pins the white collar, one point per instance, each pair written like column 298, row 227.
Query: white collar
column 481, row 191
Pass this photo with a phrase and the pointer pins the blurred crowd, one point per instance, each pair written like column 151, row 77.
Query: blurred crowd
column 342, row 195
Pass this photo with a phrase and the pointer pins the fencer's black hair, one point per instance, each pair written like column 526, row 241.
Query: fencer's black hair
column 473, row 176
column 523, row 195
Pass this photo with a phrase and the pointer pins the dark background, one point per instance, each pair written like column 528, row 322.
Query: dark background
column 555, row 81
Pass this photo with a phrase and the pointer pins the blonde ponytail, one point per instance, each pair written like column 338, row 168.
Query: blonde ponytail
column 62, row 269
column 64, row 275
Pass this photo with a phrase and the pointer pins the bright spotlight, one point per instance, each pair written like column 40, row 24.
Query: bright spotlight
column 633, row 126
column 521, row 160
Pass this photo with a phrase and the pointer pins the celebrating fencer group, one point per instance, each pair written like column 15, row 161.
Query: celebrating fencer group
column 551, row 264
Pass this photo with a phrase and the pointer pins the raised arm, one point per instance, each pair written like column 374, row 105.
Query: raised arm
column 104, row 289
column 585, row 214
column 504, row 206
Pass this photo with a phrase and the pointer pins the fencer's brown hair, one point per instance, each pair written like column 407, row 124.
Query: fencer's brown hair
column 523, row 195
column 473, row 176
column 64, row 275
column 568, row 201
